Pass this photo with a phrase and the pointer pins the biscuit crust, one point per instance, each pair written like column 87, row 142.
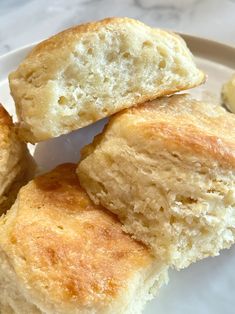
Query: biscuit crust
column 68, row 255
column 16, row 165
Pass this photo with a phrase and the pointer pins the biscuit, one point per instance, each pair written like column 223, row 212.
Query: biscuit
column 167, row 169
column 228, row 94
column 59, row 253
column 16, row 164
column 91, row 71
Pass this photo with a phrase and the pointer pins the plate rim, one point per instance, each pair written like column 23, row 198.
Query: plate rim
column 211, row 49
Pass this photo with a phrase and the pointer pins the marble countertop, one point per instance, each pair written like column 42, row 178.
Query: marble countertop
column 25, row 21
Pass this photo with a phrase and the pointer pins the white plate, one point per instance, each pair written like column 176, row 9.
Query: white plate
column 206, row 287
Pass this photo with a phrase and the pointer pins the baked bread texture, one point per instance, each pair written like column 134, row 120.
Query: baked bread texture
column 228, row 94
column 167, row 169
column 59, row 253
column 16, row 165
column 91, row 71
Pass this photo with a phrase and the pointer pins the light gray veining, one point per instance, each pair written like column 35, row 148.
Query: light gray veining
column 26, row 21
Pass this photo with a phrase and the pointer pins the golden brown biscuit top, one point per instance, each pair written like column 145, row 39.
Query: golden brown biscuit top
column 182, row 123
column 69, row 36
column 66, row 248
column 5, row 118
column 5, row 127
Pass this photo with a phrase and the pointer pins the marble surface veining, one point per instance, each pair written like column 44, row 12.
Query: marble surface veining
column 25, row 21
